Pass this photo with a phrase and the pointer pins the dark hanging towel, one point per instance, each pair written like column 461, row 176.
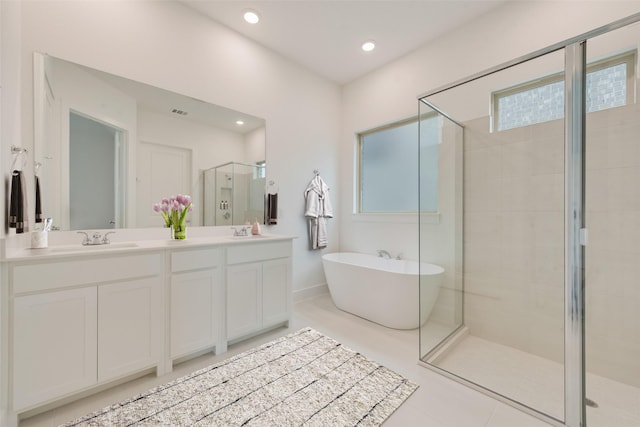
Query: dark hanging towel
column 38, row 203
column 272, row 209
column 18, row 209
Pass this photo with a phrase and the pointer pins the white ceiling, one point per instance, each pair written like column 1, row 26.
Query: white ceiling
column 325, row 35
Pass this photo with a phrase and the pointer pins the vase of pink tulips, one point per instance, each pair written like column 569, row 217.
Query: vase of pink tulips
column 174, row 212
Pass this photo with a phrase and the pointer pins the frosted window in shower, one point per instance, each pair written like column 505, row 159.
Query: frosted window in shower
column 608, row 85
column 528, row 107
column 388, row 167
column 607, row 88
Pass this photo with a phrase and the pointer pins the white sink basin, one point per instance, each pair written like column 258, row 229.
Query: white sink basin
column 251, row 236
column 88, row 248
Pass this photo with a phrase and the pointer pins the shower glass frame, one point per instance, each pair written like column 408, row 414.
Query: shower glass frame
column 574, row 212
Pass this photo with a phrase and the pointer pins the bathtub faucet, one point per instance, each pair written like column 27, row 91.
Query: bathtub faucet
column 384, row 254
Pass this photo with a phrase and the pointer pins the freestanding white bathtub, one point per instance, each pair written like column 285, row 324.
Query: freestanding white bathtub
column 384, row 291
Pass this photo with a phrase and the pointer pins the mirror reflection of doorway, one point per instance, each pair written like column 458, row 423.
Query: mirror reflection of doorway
column 96, row 159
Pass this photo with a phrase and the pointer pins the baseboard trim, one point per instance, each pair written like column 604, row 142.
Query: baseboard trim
column 310, row 292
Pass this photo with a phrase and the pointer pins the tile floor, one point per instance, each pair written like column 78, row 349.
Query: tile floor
column 439, row 402
column 539, row 382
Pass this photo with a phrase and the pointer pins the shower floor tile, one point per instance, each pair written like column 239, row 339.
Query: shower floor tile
column 539, row 383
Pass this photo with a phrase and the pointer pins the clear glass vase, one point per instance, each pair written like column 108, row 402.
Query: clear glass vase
column 178, row 232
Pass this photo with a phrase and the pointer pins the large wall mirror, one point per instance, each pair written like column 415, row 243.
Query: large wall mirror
column 106, row 148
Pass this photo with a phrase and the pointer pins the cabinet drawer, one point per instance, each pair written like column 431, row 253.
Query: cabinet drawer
column 46, row 276
column 195, row 259
column 257, row 252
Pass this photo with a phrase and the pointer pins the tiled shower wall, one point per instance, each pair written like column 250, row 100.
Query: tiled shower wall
column 514, row 239
column 613, row 250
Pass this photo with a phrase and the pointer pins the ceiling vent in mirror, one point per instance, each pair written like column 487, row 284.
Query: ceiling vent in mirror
column 179, row 111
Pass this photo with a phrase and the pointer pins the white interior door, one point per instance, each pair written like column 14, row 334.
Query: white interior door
column 162, row 171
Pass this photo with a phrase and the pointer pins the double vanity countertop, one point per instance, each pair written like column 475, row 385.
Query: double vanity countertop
column 120, row 245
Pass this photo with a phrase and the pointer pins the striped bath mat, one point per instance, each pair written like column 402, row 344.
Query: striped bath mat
column 304, row 378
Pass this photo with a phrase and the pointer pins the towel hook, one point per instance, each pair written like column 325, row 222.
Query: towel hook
column 38, row 165
column 18, row 152
column 272, row 188
column 316, row 172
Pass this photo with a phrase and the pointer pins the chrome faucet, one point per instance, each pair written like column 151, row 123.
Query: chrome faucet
column 96, row 239
column 241, row 231
column 384, row 254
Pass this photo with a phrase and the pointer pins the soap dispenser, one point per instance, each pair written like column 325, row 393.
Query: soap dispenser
column 255, row 230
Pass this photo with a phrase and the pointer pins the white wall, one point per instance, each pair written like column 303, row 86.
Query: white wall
column 165, row 44
column 10, row 15
column 390, row 93
column 10, row 87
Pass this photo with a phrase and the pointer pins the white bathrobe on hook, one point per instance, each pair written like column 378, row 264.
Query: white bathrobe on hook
column 317, row 210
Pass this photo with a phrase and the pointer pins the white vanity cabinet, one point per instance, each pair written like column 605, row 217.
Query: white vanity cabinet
column 196, row 301
column 75, row 323
column 55, row 350
column 258, row 287
column 80, row 323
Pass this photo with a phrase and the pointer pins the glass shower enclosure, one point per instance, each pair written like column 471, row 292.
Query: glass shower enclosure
column 539, row 222
column 234, row 194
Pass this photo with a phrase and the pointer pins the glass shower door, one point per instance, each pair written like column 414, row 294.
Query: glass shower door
column 501, row 206
column 440, row 201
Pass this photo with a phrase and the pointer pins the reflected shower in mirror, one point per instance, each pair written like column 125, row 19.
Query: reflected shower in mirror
column 234, row 194
column 110, row 147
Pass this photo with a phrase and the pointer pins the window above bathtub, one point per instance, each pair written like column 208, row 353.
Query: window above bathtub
column 388, row 161
column 610, row 83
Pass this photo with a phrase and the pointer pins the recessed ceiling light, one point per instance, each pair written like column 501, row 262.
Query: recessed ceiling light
column 368, row 46
column 251, row 17
column 239, row 122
